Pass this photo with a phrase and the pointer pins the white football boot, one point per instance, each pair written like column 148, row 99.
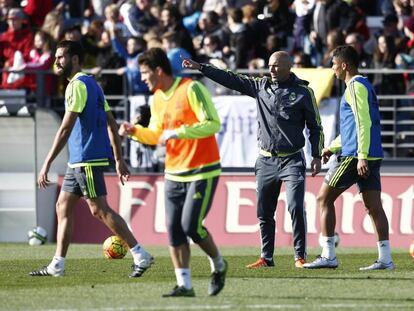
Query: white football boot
column 321, row 262
column 378, row 265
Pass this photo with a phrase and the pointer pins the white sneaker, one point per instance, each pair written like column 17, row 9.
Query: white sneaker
column 379, row 265
column 321, row 262
column 144, row 263
column 48, row 271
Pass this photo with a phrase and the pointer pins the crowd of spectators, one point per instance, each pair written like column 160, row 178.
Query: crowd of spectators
column 233, row 34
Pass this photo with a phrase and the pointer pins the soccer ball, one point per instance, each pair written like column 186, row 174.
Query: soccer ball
column 412, row 249
column 114, row 248
column 336, row 236
column 37, row 236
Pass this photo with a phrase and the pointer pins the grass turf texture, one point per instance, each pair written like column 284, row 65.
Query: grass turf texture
column 95, row 283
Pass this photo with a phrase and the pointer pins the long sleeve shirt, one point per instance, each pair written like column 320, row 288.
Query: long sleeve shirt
column 283, row 109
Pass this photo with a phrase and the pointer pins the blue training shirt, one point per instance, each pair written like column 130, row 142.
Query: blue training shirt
column 89, row 140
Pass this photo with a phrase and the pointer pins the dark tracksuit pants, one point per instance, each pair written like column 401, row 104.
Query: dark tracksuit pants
column 270, row 173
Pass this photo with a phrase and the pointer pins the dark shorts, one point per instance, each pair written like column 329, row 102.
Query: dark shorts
column 344, row 174
column 186, row 206
column 87, row 181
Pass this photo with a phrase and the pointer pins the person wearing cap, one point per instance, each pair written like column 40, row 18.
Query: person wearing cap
column 390, row 28
column 15, row 43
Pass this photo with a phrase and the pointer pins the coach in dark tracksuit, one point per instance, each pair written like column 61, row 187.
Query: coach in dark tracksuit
column 285, row 104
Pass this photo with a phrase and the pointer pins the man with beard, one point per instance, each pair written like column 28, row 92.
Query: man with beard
column 90, row 129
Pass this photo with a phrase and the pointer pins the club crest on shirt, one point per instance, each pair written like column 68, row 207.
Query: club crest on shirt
column 292, row 96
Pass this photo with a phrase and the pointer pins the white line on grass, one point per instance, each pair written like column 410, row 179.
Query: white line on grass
column 255, row 306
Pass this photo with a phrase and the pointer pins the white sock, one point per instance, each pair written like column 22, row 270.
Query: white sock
column 328, row 247
column 57, row 263
column 216, row 264
column 183, row 276
column 384, row 251
column 137, row 253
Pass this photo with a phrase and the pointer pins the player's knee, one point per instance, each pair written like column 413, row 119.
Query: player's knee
column 96, row 211
column 190, row 231
column 177, row 238
column 322, row 200
column 59, row 209
column 195, row 236
column 369, row 209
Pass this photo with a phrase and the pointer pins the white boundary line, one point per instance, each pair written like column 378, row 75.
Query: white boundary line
column 249, row 306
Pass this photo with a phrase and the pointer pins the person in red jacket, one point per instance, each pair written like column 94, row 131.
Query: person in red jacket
column 36, row 11
column 17, row 38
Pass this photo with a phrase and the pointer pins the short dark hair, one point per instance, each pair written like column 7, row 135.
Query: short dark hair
column 155, row 57
column 72, row 48
column 347, row 54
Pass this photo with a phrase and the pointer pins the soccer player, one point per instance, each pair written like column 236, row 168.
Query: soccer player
column 89, row 128
column 185, row 119
column 285, row 104
column 359, row 146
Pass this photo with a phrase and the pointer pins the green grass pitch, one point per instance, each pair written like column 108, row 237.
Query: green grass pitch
column 95, row 283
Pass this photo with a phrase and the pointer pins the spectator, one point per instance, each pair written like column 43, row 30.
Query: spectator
column 99, row 7
column 357, row 42
column 328, row 15
column 92, row 44
column 54, row 23
column 36, row 10
column 387, row 84
column 153, row 40
column 211, row 51
column 272, row 45
column 216, row 6
column 335, row 38
column 240, row 37
column 135, row 46
column 108, row 59
column 390, row 26
column 358, row 16
column 405, row 59
column 384, row 57
column 280, row 20
column 112, row 16
column 212, row 54
column 258, row 28
column 137, row 16
column 5, row 6
column 15, row 43
column 170, row 43
column 403, row 8
column 301, row 60
column 147, row 159
column 303, row 17
column 189, row 7
column 171, row 21
column 73, row 33
column 209, row 24
column 40, row 58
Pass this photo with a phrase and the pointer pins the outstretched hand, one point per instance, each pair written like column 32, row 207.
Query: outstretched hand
column 126, row 129
column 189, row 63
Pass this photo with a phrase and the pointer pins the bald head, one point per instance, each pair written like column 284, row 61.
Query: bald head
column 279, row 66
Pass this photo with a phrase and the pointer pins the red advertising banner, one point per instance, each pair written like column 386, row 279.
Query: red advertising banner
column 232, row 218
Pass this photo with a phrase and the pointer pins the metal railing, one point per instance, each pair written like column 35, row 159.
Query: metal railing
column 397, row 110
